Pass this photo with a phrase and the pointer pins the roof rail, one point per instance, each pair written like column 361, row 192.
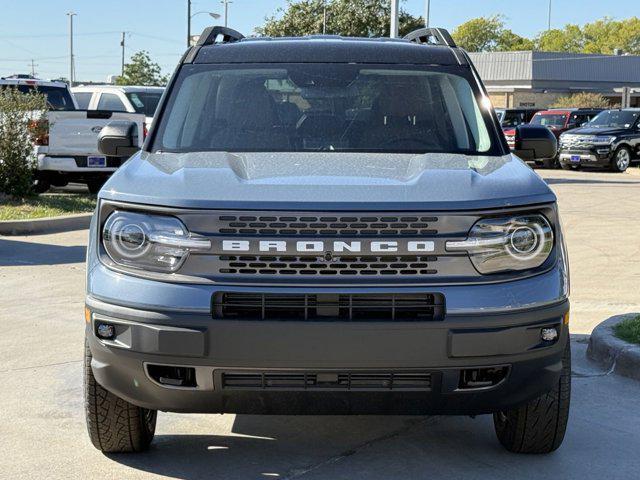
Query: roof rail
column 210, row 36
column 427, row 35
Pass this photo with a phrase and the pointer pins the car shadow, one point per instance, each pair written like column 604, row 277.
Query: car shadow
column 16, row 253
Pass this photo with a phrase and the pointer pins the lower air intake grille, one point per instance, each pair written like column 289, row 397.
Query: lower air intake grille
column 295, row 380
column 314, row 266
column 328, row 307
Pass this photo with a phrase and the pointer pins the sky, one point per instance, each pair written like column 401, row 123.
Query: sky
column 38, row 29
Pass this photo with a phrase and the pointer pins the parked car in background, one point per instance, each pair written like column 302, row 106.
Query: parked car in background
column 558, row 121
column 512, row 117
column 611, row 139
column 116, row 98
column 58, row 95
column 67, row 147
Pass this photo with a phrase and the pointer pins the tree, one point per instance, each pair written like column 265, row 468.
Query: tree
column 488, row 34
column 602, row 36
column 568, row 39
column 142, row 71
column 584, row 100
column 22, row 117
column 351, row 18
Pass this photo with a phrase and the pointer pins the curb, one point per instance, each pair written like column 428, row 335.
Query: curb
column 66, row 223
column 634, row 171
column 614, row 354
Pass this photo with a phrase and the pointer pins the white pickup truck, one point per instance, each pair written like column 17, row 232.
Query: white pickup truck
column 69, row 153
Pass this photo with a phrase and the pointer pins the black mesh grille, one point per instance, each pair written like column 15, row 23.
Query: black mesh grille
column 327, row 226
column 340, row 266
column 328, row 307
column 296, row 380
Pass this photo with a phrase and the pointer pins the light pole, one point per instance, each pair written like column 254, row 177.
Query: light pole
column 226, row 11
column 211, row 14
column 427, row 11
column 549, row 17
column 394, row 19
column 71, row 65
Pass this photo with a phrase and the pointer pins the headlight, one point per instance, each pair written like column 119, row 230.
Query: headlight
column 149, row 242
column 519, row 242
column 604, row 139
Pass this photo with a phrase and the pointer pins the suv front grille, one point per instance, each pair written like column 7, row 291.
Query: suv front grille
column 327, row 226
column 328, row 307
column 340, row 266
column 346, row 381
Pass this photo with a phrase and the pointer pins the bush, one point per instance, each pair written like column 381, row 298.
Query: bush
column 22, row 116
column 582, row 100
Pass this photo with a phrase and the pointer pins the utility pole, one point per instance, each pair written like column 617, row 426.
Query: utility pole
column 123, row 48
column 72, row 70
column 394, row 19
column 549, row 17
column 427, row 11
column 188, row 23
column 226, row 11
column 33, row 68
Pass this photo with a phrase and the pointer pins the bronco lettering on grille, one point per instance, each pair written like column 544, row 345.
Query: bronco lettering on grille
column 338, row 246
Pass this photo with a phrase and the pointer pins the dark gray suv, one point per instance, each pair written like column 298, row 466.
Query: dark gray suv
column 326, row 225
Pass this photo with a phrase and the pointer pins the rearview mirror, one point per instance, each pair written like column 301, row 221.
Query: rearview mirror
column 535, row 143
column 118, row 139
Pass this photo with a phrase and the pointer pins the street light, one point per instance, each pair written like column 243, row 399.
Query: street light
column 226, row 11
column 549, row 17
column 190, row 16
column 72, row 70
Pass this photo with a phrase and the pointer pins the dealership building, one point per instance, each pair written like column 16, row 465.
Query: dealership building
column 537, row 79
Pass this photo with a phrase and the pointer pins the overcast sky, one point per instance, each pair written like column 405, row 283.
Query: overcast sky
column 38, row 29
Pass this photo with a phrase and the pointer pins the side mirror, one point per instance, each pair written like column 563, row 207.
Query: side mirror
column 535, row 143
column 118, row 139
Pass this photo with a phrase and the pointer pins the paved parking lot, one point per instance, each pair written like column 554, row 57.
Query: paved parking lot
column 42, row 430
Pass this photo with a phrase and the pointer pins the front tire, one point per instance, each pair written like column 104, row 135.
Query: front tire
column 539, row 425
column 621, row 160
column 114, row 425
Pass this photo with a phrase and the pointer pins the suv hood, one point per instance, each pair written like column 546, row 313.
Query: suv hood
column 598, row 131
column 326, row 181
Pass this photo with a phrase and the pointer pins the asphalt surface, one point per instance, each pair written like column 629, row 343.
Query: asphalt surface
column 43, row 434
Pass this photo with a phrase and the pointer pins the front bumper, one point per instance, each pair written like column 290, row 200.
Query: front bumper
column 464, row 340
column 596, row 156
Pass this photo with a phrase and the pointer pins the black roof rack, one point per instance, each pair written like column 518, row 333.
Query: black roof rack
column 210, row 36
column 428, row 35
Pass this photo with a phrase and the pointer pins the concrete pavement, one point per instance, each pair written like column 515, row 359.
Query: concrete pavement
column 43, row 435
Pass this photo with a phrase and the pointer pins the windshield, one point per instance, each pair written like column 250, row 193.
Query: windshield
column 549, row 120
column 144, row 102
column 614, row 118
column 58, row 98
column 322, row 107
column 513, row 119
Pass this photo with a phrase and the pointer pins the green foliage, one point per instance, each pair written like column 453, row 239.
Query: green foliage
column 488, row 34
column 629, row 330
column 602, row 36
column 49, row 205
column 582, row 100
column 353, row 18
column 22, row 116
column 142, row 71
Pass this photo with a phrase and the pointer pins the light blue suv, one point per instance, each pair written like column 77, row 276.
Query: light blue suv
column 326, row 225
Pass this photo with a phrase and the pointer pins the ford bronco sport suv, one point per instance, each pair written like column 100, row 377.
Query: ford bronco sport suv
column 326, row 225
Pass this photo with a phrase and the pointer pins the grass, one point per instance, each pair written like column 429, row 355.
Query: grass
column 629, row 330
column 48, row 205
